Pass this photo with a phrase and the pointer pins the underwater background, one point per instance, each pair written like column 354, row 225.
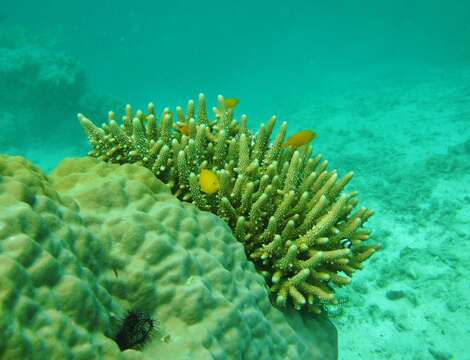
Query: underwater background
column 384, row 84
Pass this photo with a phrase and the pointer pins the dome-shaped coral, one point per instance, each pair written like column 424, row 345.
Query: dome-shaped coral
column 81, row 247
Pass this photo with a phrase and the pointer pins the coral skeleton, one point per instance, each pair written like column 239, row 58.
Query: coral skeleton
column 296, row 221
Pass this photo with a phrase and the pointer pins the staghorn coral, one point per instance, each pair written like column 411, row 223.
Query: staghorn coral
column 286, row 208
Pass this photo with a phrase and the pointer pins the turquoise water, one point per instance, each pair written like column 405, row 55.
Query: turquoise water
column 385, row 84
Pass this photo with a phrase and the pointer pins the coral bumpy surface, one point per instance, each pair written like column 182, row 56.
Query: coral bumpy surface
column 290, row 213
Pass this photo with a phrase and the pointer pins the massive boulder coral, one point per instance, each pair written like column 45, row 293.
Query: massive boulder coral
column 51, row 304
column 286, row 208
column 81, row 247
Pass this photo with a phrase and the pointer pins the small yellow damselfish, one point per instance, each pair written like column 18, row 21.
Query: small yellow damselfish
column 183, row 129
column 208, row 181
column 300, row 138
column 230, row 103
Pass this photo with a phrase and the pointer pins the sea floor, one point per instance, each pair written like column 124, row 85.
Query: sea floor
column 408, row 143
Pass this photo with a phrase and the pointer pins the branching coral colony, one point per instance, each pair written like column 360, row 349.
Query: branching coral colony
column 290, row 213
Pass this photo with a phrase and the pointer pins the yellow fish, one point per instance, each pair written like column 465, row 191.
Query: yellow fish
column 230, row 103
column 300, row 138
column 208, row 181
column 183, row 129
